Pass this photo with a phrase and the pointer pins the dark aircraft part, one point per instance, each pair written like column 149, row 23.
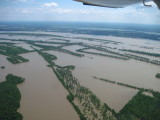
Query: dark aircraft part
column 157, row 3
column 100, row 5
column 116, row 3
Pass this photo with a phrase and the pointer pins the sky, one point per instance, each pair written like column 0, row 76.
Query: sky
column 69, row 10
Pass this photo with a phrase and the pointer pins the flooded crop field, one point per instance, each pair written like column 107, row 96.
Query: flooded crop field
column 68, row 73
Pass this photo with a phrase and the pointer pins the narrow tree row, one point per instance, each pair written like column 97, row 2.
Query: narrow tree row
column 141, row 52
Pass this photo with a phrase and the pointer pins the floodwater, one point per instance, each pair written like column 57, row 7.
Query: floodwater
column 43, row 96
column 47, row 44
column 101, row 52
column 73, row 48
column 25, row 46
column 130, row 72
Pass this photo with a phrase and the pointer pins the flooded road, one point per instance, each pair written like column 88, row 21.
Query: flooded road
column 43, row 96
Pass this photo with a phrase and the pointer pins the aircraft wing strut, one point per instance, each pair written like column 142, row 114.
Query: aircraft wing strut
column 116, row 3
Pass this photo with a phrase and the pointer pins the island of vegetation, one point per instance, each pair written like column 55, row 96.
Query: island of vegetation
column 12, row 53
column 10, row 98
column 2, row 67
column 141, row 107
column 158, row 75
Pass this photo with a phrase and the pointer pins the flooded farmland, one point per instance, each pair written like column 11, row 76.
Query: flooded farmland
column 43, row 95
column 131, row 72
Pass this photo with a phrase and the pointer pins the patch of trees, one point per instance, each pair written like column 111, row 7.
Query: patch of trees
column 2, row 67
column 13, row 50
column 158, row 75
column 10, row 98
column 17, row 59
column 141, row 107
column 70, row 98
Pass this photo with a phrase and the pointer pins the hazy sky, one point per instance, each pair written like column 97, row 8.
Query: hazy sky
column 68, row 10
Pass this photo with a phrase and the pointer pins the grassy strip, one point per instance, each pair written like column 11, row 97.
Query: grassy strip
column 70, row 52
column 37, row 41
column 107, row 50
column 10, row 98
column 112, row 56
column 141, row 52
column 106, row 80
column 144, row 59
column 31, row 34
column 99, row 48
column 121, row 84
column 6, row 43
column 57, row 49
column 98, row 40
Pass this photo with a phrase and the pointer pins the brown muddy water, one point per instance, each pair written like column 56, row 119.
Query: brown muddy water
column 130, row 72
column 43, row 96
